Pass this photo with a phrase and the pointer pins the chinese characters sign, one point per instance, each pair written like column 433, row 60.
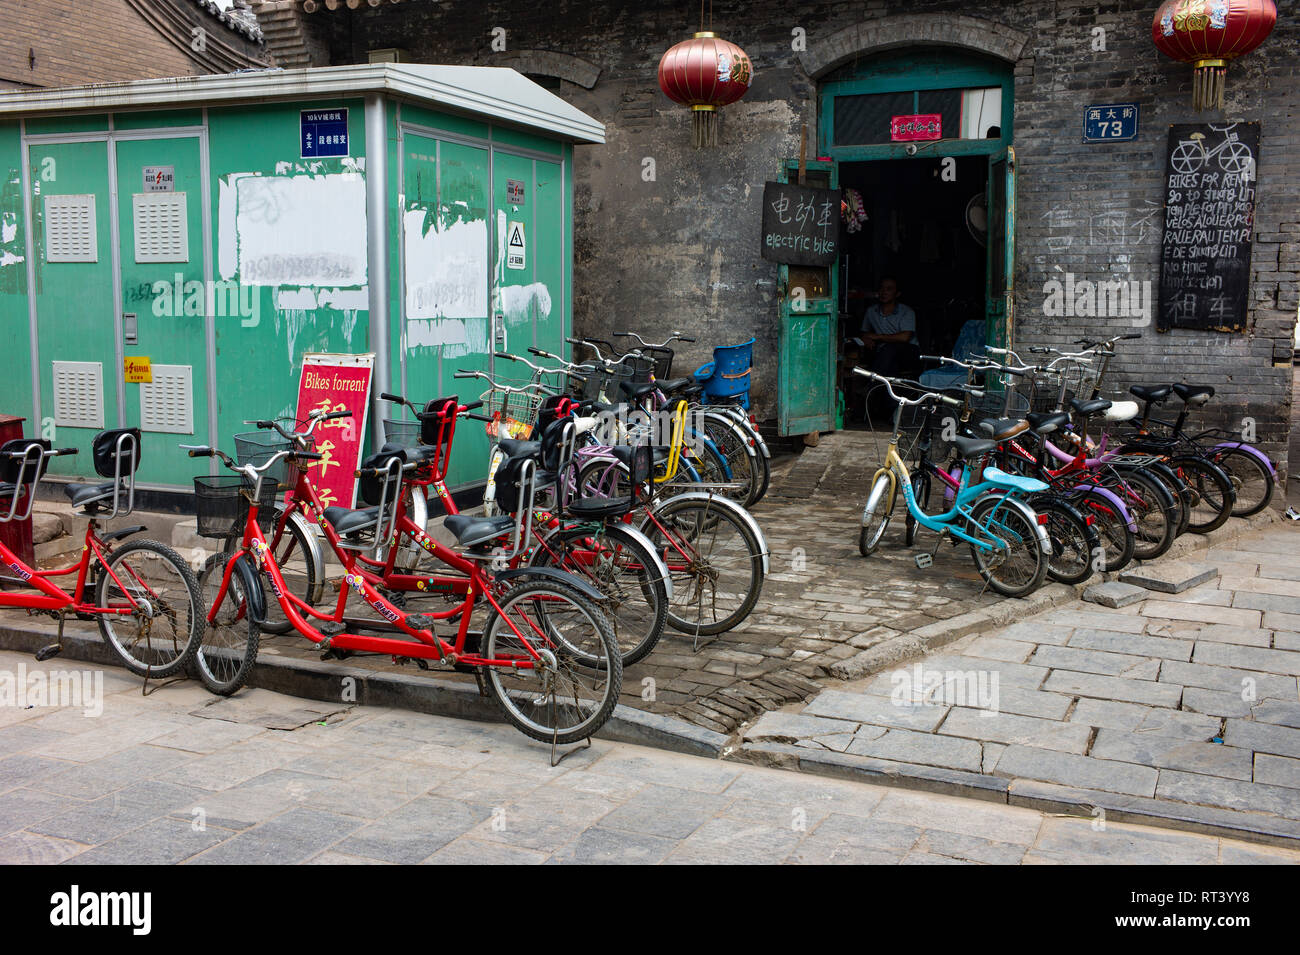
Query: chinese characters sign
column 336, row 383
column 323, row 132
column 801, row 225
column 1113, row 123
column 919, row 126
column 1209, row 217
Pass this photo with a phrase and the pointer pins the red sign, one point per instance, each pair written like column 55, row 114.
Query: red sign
column 336, row 383
column 903, row 129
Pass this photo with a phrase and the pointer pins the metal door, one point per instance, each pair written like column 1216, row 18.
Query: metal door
column 1001, row 258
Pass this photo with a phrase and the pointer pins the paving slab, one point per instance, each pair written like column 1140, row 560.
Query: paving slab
column 1085, row 772
column 1010, row 728
column 1114, row 594
column 1176, row 610
column 1102, row 687
column 1165, row 752
column 881, row 711
column 1162, row 648
column 1277, row 770
column 1169, row 577
column 1263, row 737
column 927, row 749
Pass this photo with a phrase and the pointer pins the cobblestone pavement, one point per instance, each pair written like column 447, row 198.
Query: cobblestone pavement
column 1188, row 698
column 180, row 777
column 821, row 604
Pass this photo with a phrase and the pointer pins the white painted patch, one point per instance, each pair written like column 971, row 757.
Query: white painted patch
column 8, row 258
column 298, row 230
column 457, row 337
column 226, row 259
column 345, row 298
column 295, row 298
column 446, row 271
column 519, row 301
column 9, row 232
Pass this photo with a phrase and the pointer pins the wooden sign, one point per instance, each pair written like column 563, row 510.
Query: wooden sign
column 1209, row 217
column 137, row 370
column 801, row 225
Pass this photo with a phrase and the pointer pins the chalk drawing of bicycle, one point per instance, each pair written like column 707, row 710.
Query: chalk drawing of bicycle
column 1190, row 155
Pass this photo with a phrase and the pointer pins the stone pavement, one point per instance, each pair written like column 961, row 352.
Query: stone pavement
column 181, row 777
column 1183, row 705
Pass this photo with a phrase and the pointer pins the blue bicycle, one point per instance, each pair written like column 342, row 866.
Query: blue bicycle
column 1008, row 539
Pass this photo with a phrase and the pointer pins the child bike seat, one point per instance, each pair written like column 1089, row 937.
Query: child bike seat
column 1014, row 481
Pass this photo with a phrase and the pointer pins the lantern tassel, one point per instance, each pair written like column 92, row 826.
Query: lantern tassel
column 1208, row 83
column 704, row 127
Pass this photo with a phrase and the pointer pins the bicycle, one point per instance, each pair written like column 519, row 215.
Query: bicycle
column 1008, row 540
column 546, row 653
column 146, row 602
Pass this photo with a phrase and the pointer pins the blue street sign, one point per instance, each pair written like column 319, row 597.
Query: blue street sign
column 1112, row 123
column 323, row 132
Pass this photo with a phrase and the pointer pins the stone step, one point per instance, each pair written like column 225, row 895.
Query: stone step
column 1114, row 594
column 1170, row 578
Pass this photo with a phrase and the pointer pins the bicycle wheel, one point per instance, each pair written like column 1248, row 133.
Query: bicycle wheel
column 920, row 494
column 230, row 641
column 1018, row 565
column 1115, row 537
column 1251, row 479
column 1073, row 539
column 1178, row 490
column 714, row 467
column 617, row 564
column 561, row 699
column 875, row 514
column 1210, row 489
column 1153, row 509
column 161, row 633
column 296, row 558
column 714, row 559
column 741, row 458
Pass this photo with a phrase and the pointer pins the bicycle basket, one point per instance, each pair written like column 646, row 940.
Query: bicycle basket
column 602, row 385
column 399, row 431
column 258, row 447
column 644, row 370
column 221, row 503
column 513, row 413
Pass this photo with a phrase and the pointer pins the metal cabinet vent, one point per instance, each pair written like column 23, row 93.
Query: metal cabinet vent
column 166, row 403
column 78, row 394
column 161, row 233
column 70, row 234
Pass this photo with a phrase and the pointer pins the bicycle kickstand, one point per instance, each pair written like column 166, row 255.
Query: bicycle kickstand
column 555, row 737
column 53, row 649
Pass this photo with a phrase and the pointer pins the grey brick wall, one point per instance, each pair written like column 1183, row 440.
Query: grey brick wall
column 682, row 252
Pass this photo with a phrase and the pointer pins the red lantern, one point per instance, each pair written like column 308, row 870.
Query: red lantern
column 1209, row 33
column 704, row 73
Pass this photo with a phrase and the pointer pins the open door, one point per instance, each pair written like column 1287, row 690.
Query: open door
column 808, row 338
column 1001, row 260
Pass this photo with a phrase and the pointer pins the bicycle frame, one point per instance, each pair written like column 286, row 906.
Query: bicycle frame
column 55, row 599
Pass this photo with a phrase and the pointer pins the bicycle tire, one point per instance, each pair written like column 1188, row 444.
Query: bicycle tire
column 297, row 564
column 1245, row 470
column 516, row 701
column 1074, row 541
column 1011, row 521
column 876, row 513
column 230, row 642
column 1116, row 538
column 692, row 582
column 638, row 628
column 920, row 494
column 1211, row 489
column 741, row 458
column 145, row 579
column 1152, row 507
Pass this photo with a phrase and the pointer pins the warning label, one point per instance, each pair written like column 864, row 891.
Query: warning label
column 515, row 255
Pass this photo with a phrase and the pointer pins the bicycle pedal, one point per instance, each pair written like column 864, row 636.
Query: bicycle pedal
column 923, row 560
column 420, row 621
column 332, row 628
column 45, row 653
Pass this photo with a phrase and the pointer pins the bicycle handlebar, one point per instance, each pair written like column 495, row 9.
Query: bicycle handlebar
column 889, row 386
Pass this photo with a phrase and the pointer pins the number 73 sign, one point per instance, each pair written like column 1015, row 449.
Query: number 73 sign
column 1111, row 123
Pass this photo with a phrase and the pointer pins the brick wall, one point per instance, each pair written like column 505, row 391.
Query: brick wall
column 77, row 42
column 682, row 251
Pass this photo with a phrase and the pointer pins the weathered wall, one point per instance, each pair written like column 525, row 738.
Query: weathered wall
column 681, row 252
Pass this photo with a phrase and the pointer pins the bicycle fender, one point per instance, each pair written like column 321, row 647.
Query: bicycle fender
column 1251, row 450
column 1044, row 541
column 251, row 581
column 736, row 429
column 660, row 567
column 1114, row 500
column 316, row 553
column 123, row 532
column 564, row 577
column 742, row 420
column 892, row 491
column 727, row 505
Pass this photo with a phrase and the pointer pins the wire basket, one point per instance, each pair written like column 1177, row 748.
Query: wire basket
column 258, row 447
column 644, row 370
column 514, row 414
column 221, row 503
column 602, row 385
column 400, row 431
column 1009, row 403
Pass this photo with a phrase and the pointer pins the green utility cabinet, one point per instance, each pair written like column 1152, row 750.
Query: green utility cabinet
column 224, row 226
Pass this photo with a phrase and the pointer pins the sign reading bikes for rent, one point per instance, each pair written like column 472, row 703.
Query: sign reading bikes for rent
column 336, row 383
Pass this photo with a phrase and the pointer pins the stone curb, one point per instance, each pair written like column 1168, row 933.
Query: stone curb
column 321, row 680
column 1026, row 793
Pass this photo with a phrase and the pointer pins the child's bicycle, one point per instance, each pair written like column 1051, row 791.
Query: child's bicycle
column 1008, row 539
column 145, row 598
column 546, row 652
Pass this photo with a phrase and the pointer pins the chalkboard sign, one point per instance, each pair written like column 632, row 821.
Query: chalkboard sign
column 801, row 225
column 1209, row 216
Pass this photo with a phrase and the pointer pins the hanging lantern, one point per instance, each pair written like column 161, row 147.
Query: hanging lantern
column 704, row 73
column 1209, row 33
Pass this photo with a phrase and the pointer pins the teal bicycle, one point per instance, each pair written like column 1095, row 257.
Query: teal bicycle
column 1008, row 539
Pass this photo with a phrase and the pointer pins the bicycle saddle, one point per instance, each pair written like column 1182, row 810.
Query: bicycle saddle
column 635, row 391
column 1194, row 394
column 671, row 386
column 1089, row 406
column 91, row 496
column 973, row 447
column 1046, row 423
column 1122, row 411
column 347, row 520
column 514, row 448
column 1156, row 393
column 1003, row 428
column 470, row 530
